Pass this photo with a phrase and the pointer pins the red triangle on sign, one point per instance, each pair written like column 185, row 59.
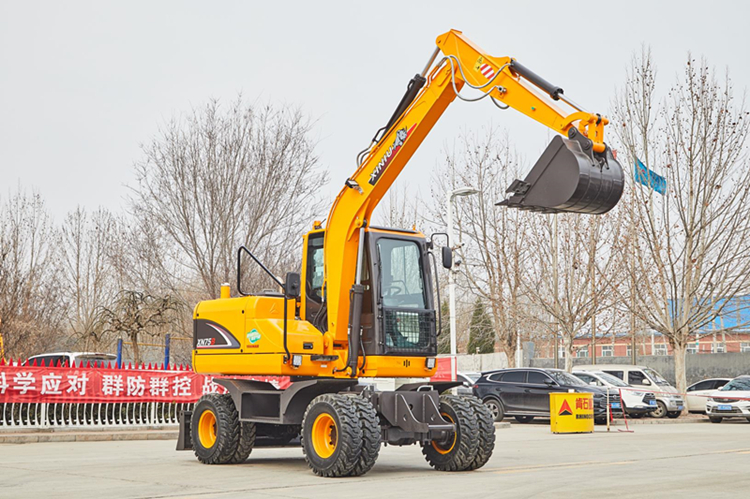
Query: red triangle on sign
column 565, row 409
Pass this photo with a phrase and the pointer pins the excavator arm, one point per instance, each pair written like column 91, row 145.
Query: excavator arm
column 578, row 174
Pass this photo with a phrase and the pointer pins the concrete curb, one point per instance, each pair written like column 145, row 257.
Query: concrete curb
column 85, row 429
column 502, row 426
column 620, row 422
column 85, row 436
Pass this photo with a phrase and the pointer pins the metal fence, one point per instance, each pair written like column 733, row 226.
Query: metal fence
column 81, row 415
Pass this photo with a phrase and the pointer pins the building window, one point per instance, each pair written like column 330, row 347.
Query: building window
column 692, row 347
column 660, row 349
column 582, row 352
column 561, row 352
column 718, row 348
column 608, row 351
column 745, row 347
column 629, row 350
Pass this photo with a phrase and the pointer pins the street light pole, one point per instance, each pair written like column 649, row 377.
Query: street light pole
column 465, row 191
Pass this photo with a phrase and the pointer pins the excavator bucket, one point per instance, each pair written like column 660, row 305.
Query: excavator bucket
column 569, row 177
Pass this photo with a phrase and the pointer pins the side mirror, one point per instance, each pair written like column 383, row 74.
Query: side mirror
column 646, row 381
column 549, row 382
column 466, row 383
column 447, row 257
column 292, row 286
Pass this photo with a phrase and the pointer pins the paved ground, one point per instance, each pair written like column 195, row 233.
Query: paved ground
column 709, row 460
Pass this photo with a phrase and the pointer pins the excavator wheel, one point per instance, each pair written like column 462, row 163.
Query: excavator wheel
column 332, row 437
column 246, row 443
column 458, row 451
column 486, row 424
column 216, row 430
column 370, row 424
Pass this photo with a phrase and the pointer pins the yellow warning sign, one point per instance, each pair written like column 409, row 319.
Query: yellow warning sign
column 479, row 63
column 571, row 412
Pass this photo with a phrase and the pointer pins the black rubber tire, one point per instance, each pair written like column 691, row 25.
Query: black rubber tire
column 524, row 419
column 496, row 408
column 228, row 430
column 673, row 414
column 636, row 415
column 343, row 410
column 600, row 421
column 715, row 419
column 661, row 410
column 462, row 452
column 370, row 424
column 486, row 424
column 246, row 443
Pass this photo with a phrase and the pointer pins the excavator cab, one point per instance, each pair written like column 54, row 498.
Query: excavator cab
column 397, row 315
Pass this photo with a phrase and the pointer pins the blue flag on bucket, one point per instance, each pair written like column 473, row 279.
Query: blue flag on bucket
column 649, row 178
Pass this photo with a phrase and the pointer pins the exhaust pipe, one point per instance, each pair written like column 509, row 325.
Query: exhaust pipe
column 569, row 177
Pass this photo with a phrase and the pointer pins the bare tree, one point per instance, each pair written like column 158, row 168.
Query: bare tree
column 87, row 276
column 496, row 247
column 135, row 314
column 222, row 177
column 30, row 300
column 569, row 275
column 691, row 246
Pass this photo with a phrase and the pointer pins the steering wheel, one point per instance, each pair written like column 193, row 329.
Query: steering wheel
column 389, row 290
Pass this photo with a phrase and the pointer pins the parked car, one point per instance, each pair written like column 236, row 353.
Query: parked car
column 637, row 403
column 669, row 402
column 524, row 393
column 66, row 359
column 697, row 393
column 732, row 400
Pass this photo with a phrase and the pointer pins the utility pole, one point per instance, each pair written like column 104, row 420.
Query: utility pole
column 465, row 191
column 555, row 284
column 595, row 304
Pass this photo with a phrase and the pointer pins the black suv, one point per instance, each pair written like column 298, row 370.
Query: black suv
column 524, row 393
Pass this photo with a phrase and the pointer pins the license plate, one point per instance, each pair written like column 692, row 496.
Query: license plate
column 652, row 402
column 616, row 405
column 679, row 407
column 725, row 407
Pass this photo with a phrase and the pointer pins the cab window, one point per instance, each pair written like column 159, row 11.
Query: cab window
column 315, row 263
column 402, row 283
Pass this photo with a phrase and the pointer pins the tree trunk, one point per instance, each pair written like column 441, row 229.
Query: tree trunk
column 136, row 350
column 680, row 349
column 510, row 353
column 568, row 342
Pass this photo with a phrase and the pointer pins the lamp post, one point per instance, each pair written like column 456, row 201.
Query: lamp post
column 464, row 191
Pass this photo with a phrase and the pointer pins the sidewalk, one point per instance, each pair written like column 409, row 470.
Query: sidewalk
column 10, row 435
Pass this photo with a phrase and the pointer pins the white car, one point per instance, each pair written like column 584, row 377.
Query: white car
column 697, row 393
column 637, row 403
column 733, row 400
column 66, row 359
column 669, row 401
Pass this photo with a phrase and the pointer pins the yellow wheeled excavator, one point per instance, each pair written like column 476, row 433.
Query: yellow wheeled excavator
column 362, row 305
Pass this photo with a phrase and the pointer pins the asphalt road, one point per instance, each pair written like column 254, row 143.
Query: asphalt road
column 706, row 460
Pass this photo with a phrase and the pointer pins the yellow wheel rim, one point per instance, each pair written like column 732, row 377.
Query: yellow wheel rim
column 446, row 446
column 324, row 435
column 207, row 429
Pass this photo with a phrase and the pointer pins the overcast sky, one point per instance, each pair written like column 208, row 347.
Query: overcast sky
column 83, row 84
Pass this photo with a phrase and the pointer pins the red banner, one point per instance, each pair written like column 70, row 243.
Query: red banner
column 26, row 384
